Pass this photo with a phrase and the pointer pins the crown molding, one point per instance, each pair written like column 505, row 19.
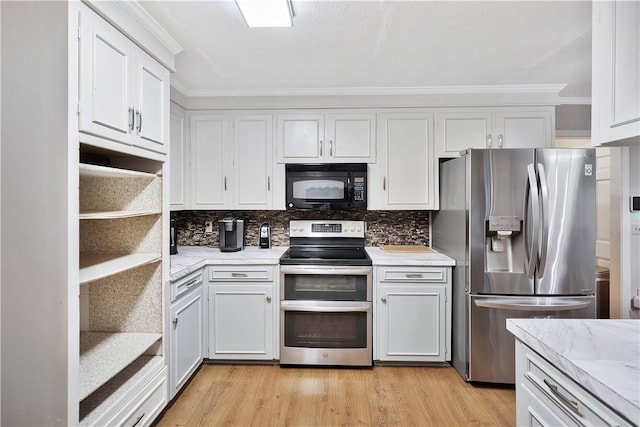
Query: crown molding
column 551, row 89
column 575, row 100
column 151, row 25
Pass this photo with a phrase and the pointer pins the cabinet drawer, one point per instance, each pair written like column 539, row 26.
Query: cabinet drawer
column 185, row 284
column 565, row 398
column 243, row 274
column 412, row 274
column 147, row 404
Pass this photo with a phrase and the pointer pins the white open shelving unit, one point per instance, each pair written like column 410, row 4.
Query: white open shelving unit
column 119, row 279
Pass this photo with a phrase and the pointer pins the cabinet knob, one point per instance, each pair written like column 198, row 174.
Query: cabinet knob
column 383, row 299
column 268, row 298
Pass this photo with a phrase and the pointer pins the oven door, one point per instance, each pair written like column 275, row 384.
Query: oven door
column 325, row 283
column 326, row 333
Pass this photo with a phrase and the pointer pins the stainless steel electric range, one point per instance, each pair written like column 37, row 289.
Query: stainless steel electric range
column 325, row 295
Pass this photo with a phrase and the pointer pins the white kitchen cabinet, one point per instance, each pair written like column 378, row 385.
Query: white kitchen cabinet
column 211, row 162
column 186, row 337
column 463, row 128
column 615, row 108
column 179, row 159
column 333, row 137
column 123, row 92
column 243, row 307
column 405, row 175
column 253, row 161
column 547, row 397
column 413, row 314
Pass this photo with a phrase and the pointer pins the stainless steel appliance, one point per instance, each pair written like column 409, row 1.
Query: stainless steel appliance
column 521, row 225
column 327, row 186
column 325, row 295
column 265, row 236
column 231, row 234
column 173, row 237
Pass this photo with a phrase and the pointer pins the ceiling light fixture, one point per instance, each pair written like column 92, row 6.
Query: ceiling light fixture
column 266, row 13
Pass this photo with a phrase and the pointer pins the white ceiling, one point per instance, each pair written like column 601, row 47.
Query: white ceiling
column 378, row 46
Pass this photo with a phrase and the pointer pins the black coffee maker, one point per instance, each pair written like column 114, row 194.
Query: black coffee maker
column 231, row 234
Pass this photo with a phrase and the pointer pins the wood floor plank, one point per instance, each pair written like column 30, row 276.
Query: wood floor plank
column 268, row 395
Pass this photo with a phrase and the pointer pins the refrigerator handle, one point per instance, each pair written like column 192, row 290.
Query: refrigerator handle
column 544, row 190
column 531, row 189
column 501, row 305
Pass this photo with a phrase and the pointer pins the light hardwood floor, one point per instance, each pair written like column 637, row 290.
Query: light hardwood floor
column 267, row 395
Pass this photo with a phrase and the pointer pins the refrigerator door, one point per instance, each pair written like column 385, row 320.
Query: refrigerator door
column 497, row 181
column 492, row 347
column 567, row 253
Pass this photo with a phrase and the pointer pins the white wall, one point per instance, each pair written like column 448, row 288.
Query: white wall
column 630, row 243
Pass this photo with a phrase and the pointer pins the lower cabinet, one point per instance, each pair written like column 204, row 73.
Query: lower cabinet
column 242, row 313
column 547, row 397
column 186, row 328
column 413, row 314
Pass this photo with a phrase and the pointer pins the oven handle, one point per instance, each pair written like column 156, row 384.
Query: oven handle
column 326, row 306
column 327, row 270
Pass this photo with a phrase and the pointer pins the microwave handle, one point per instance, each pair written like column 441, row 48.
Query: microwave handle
column 349, row 187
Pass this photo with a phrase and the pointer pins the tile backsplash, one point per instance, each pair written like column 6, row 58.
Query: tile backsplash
column 383, row 227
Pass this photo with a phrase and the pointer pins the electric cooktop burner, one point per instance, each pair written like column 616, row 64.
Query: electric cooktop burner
column 326, row 243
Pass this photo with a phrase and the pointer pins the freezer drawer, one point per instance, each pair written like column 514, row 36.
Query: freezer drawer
column 492, row 347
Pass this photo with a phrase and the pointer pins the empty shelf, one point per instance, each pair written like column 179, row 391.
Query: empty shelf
column 116, row 214
column 97, row 266
column 109, row 172
column 104, row 354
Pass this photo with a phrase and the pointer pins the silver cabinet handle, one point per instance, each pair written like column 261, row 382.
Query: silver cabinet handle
column 489, row 141
column 384, row 183
column 268, row 183
column 320, row 148
column 175, row 321
column 239, row 275
column 138, row 419
column 383, row 299
column 225, row 183
column 330, row 148
column 500, row 141
column 413, row 276
column 268, row 298
column 572, row 404
column 131, row 118
column 139, row 120
column 140, row 123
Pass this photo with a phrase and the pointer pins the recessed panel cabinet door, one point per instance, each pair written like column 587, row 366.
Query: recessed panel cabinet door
column 300, row 138
column 105, row 83
column 524, row 129
column 352, row 138
column 253, row 180
column 152, row 103
column 186, row 339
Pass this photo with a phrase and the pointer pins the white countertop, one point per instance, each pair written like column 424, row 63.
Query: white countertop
column 379, row 257
column 603, row 356
column 191, row 258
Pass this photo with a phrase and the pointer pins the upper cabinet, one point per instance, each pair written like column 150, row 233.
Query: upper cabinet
column 179, row 158
column 405, row 174
column 123, row 92
column 342, row 137
column 615, row 111
column 462, row 128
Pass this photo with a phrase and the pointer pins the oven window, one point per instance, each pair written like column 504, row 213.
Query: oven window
column 325, row 330
column 325, row 287
column 319, row 189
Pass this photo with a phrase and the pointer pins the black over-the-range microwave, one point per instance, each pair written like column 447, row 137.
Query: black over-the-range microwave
column 328, row 186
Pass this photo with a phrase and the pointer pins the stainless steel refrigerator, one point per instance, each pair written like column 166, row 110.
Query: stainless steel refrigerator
column 521, row 225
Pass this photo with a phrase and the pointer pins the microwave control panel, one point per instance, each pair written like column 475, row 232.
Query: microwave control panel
column 359, row 189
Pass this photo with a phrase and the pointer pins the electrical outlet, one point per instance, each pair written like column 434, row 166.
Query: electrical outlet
column 635, row 229
column 208, row 227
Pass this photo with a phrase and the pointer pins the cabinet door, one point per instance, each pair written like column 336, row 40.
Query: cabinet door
column 300, row 138
column 412, row 323
column 523, row 129
column 211, row 165
column 253, row 161
column 351, row 138
column 241, row 321
column 458, row 131
column 178, row 156
column 616, row 72
column 105, row 85
column 404, row 176
column 186, row 339
column 151, row 103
